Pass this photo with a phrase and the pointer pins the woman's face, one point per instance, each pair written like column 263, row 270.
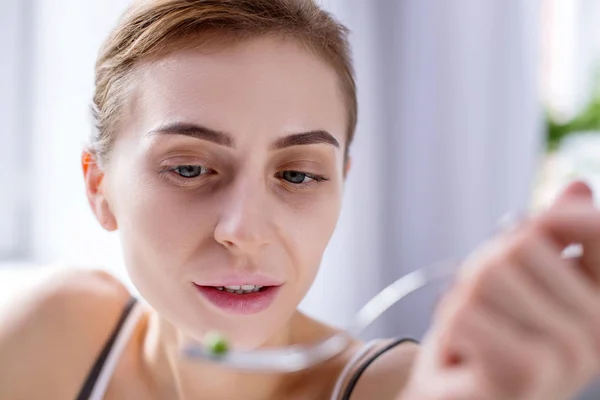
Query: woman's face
column 228, row 170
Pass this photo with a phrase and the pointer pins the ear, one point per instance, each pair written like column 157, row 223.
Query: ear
column 95, row 191
column 347, row 165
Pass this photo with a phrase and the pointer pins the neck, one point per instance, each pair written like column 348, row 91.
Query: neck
column 184, row 379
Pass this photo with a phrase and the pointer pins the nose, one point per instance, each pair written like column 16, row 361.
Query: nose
column 243, row 224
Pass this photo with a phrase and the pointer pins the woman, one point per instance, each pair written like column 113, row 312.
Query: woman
column 221, row 150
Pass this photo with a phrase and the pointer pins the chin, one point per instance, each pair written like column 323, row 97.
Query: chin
column 246, row 341
column 242, row 335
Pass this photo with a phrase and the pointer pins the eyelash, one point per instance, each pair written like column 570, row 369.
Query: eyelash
column 170, row 174
column 315, row 178
column 175, row 175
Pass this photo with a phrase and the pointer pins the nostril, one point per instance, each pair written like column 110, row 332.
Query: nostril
column 226, row 243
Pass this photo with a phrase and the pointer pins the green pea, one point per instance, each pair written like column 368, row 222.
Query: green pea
column 216, row 343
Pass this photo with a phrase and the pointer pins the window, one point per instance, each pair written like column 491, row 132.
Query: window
column 570, row 72
column 14, row 132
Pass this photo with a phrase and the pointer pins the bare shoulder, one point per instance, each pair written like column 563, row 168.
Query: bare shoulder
column 386, row 377
column 51, row 333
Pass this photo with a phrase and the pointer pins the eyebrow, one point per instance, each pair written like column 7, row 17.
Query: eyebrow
column 306, row 138
column 195, row 131
column 224, row 139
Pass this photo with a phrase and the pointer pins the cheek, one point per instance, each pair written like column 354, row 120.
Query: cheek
column 310, row 234
column 158, row 227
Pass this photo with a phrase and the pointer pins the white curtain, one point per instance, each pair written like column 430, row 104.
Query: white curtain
column 68, row 35
column 448, row 139
column 14, row 162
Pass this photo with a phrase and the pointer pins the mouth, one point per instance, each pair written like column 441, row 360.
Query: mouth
column 240, row 299
column 243, row 289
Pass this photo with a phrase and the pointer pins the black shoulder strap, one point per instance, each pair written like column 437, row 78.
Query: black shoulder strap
column 90, row 382
column 356, row 376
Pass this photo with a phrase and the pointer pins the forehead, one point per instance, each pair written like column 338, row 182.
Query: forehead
column 268, row 85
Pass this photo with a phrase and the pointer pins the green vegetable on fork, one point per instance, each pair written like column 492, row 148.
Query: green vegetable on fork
column 216, row 343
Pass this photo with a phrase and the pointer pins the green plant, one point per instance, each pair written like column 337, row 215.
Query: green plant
column 587, row 120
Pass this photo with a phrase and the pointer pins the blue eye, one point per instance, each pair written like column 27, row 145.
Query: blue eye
column 190, row 171
column 296, row 177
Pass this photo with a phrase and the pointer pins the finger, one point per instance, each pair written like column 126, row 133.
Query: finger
column 557, row 276
column 502, row 362
column 560, row 280
column 575, row 222
column 574, row 191
column 510, row 291
column 506, row 287
column 494, row 348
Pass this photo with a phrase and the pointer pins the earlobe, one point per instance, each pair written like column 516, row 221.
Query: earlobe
column 95, row 191
column 106, row 216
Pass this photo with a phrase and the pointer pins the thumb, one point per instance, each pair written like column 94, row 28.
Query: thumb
column 576, row 191
column 579, row 192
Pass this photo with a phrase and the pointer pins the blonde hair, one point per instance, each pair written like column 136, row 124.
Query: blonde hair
column 154, row 27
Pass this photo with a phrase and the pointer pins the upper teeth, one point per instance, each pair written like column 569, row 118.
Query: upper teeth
column 240, row 289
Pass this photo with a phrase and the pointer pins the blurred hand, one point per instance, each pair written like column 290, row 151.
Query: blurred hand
column 521, row 322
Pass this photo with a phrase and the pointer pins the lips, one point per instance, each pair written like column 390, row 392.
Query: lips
column 245, row 303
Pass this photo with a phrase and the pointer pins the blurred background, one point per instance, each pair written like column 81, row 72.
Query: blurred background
column 468, row 109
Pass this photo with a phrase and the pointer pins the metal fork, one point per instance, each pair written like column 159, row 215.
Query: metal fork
column 296, row 358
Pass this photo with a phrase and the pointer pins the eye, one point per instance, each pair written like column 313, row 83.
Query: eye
column 190, row 171
column 296, row 177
